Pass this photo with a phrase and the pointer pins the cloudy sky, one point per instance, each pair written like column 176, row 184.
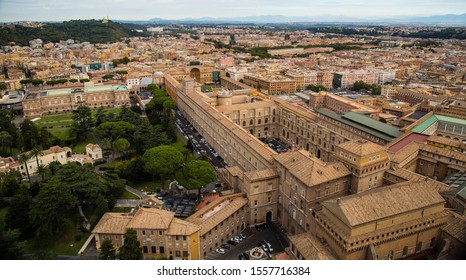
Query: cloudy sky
column 50, row 10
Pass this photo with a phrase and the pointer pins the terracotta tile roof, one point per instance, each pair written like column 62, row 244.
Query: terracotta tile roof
column 456, row 227
column 310, row 170
column 151, row 218
column 445, row 141
column 261, row 174
column 361, row 147
column 444, row 152
column 112, row 223
column 217, row 211
column 383, row 202
column 245, row 106
column 180, row 227
column 405, row 153
column 310, row 247
column 414, row 177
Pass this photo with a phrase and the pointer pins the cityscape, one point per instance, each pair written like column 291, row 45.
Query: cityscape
column 233, row 137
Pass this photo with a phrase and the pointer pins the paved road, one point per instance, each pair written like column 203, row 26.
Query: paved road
column 183, row 126
column 270, row 235
column 127, row 202
column 136, row 192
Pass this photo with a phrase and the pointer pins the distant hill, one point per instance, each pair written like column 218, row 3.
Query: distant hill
column 94, row 31
column 265, row 19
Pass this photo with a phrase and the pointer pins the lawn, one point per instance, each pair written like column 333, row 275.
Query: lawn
column 128, row 195
column 147, row 186
column 68, row 243
column 56, row 124
column 62, row 134
column 80, row 148
column 55, row 118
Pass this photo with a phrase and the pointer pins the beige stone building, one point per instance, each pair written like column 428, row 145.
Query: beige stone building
column 305, row 182
column 366, row 160
column 393, row 222
column 64, row 100
column 220, row 220
column 159, row 233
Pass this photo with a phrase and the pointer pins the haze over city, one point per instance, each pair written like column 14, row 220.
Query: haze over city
column 50, row 10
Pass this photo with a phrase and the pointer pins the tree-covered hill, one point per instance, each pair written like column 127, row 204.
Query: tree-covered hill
column 94, row 31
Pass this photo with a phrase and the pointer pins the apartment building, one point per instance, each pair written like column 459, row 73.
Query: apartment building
column 366, row 160
column 271, row 84
column 346, row 79
column 159, row 233
column 220, row 220
column 305, row 182
column 53, row 101
column 393, row 222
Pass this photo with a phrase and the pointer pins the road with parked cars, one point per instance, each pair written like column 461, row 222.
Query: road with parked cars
column 264, row 236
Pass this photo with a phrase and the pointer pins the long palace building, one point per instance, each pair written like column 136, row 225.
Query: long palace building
column 341, row 155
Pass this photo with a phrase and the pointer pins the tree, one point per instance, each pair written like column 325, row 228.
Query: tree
column 50, row 212
column 3, row 86
column 131, row 249
column 85, row 80
column 127, row 115
column 6, row 125
column 316, row 88
column 107, row 76
column 5, row 140
column 18, row 213
column 121, row 145
column 82, row 182
column 9, row 185
column 73, row 81
column 36, row 152
column 82, row 120
column 30, row 135
column 198, row 173
column 99, row 116
column 11, row 247
column 24, row 158
column 107, row 250
column 162, row 160
column 101, row 206
column 113, row 130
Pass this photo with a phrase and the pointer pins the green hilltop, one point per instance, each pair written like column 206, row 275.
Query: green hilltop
column 94, row 31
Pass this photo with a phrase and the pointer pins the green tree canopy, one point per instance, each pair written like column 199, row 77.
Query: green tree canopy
column 83, row 183
column 162, row 160
column 121, row 145
column 107, row 250
column 131, row 249
column 50, row 211
column 198, row 173
column 18, row 213
column 113, row 130
column 82, row 120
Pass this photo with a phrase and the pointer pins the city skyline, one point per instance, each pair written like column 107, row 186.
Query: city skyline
column 47, row 10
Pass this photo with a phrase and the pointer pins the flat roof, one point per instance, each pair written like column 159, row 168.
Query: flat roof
column 366, row 124
column 435, row 118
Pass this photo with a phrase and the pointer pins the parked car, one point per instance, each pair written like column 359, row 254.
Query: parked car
column 237, row 239
column 269, row 255
column 231, row 242
column 241, row 257
column 225, row 246
column 246, row 256
column 242, row 236
column 270, row 246
column 265, row 247
column 220, row 251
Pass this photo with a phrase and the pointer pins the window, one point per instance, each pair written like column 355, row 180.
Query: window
column 143, row 232
column 144, row 249
column 184, row 237
column 161, row 250
column 405, row 251
column 185, row 254
column 160, row 232
column 178, row 254
column 152, row 249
